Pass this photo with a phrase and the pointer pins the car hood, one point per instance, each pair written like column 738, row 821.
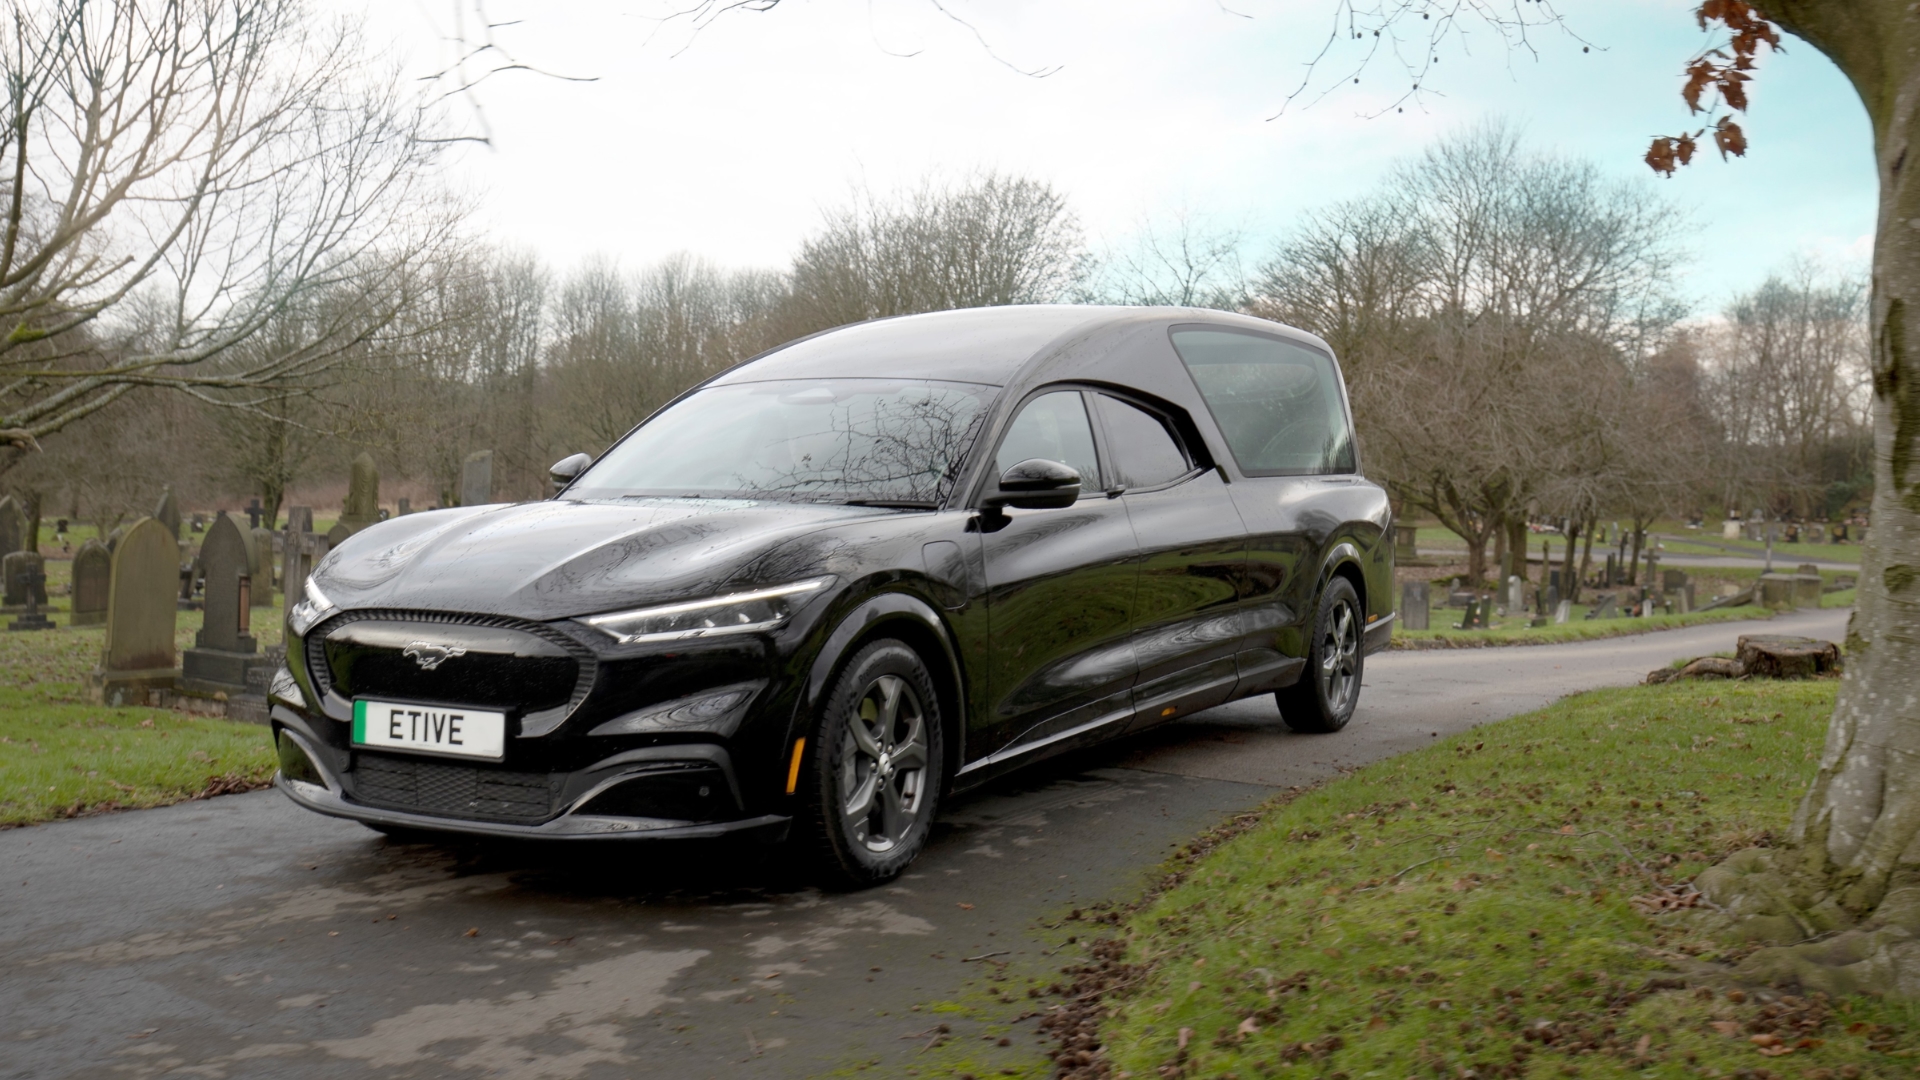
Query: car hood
column 552, row 560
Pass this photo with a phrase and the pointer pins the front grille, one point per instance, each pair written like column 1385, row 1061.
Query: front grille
column 480, row 661
column 439, row 787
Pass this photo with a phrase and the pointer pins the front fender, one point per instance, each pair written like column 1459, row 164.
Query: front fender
column 854, row 625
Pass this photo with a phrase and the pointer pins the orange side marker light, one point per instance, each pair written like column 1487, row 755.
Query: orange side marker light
column 793, row 770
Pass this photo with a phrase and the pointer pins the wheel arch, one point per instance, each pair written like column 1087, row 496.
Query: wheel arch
column 1343, row 560
column 917, row 623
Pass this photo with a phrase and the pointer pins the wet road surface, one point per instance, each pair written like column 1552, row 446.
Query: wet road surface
column 244, row 937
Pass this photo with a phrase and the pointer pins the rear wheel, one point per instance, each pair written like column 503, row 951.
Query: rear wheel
column 1324, row 698
column 873, row 784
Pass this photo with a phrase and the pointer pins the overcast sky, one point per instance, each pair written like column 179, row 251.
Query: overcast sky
column 730, row 141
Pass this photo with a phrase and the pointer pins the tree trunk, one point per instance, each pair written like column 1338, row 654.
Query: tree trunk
column 1586, row 557
column 1517, row 543
column 1633, row 563
column 30, row 537
column 1500, row 550
column 1853, row 832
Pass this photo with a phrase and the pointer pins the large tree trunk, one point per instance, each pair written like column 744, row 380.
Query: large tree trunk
column 1854, row 834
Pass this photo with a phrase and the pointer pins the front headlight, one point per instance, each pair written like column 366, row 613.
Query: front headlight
column 302, row 616
column 735, row 613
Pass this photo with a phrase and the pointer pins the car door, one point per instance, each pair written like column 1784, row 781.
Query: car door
column 1192, row 558
column 1282, row 410
column 1060, row 587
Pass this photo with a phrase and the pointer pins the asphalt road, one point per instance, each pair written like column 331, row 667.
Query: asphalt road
column 244, row 937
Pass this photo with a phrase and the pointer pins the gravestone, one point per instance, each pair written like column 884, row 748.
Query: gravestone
column 260, row 567
column 13, row 526
column 250, row 705
column 303, row 551
column 189, row 582
column 255, row 512
column 403, row 507
column 363, row 495
column 1404, row 546
column 1673, row 580
column 1609, row 608
column 1563, row 611
column 113, row 538
column 1413, row 605
column 299, row 519
column 137, row 656
column 33, row 579
column 1806, row 589
column 224, row 650
column 92, row 571
column 199, row 523
column 1730, row 529
column 476, row 479
column 167, row 512
column 1612, row 572
column 1471, row 620
column 338, row 535
column 1516, row 595
column 1776, row 591
column 15, row 568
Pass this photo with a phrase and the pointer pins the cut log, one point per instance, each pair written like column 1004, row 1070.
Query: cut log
column 1706, row 667
column 1774, row 656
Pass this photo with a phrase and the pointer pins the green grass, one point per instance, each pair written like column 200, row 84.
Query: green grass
column 1517, row 632
column 61, row 755
column 1420, row 917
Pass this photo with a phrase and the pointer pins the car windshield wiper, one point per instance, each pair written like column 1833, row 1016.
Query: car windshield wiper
column 894, row 504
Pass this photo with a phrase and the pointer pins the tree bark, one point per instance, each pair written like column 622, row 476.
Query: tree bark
column 1586, row 557
column 1854, row 832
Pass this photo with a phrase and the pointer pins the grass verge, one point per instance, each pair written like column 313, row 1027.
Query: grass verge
column 1580, row 629
column 1476, row 909
column 62, row 756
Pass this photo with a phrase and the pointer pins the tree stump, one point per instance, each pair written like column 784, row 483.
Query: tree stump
column 1773, row 656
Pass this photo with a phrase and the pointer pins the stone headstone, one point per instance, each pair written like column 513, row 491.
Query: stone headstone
column 1671, row 580
column 338, row 535
column 92, row 572
column 198, row 523
column 33, row 580
column 1612, row 572
column 13, row 526
column 1563, row 611
column 255, row 512
column 260, row 567
column 224, row 650
column 363, row 495
column 1776, row 591
column 403, row 507
column 299, row 519
column 304, row 550
column 1404, row 546
column 1413, row 605
column 167, row 512
column 1516, row 595
column 113, row 538
column 476, row 479
column 1730, row 529
column 137, row 656
column 1471, row 620
column 1806, row 590
column 15, row 567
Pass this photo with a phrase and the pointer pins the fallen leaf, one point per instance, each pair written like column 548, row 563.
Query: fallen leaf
column 472, row 931
column 1247, row 1026
column 1765, row 1039
column 966, row 907
column 1729, row 1028
column 1775, row 1051
column 1640, row 1048
column 1186, row 1035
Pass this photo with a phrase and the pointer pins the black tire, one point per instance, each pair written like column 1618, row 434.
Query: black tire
column 1324, row 699
column 864, row 816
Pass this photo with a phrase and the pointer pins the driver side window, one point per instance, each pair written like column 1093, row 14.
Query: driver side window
column 1053, row 427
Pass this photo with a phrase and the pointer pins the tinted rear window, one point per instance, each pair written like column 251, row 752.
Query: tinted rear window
column 1278, row 404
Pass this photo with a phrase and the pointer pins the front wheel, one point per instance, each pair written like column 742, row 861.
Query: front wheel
column 1324, row 698
column 874, row 781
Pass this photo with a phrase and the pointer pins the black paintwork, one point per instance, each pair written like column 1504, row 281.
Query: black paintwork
column 1046, row 628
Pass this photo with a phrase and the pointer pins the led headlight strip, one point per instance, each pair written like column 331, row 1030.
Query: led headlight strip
column 734, row 613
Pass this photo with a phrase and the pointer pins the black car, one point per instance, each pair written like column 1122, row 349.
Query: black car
column 822, row 590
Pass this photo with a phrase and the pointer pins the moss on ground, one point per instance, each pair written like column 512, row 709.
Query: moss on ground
column 61, row 755
column 1480, row 908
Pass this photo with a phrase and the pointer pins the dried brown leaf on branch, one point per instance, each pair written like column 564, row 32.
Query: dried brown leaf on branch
column 1724, row 71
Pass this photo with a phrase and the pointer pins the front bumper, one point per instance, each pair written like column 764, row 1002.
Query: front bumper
column 632, row 795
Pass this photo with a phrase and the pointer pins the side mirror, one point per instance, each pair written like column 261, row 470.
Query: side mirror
column 564, row 470
column 1036, row 484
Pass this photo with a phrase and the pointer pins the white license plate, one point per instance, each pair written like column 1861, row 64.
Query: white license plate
column 430, row 729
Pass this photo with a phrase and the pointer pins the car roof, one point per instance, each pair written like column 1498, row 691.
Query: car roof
column 989, row 345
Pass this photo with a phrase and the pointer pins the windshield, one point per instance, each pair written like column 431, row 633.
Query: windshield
column 840, row 440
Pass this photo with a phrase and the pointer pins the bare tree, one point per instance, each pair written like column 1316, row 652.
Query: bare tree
column 176, row 176
column 1187, row 262
column 988, row 241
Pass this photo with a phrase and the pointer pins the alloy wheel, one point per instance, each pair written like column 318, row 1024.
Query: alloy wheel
column 883, row 777
column 1340, row 658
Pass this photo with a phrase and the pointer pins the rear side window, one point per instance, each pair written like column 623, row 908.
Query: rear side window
column 1144, row 452
column 1277, row 403
column 1053, row 427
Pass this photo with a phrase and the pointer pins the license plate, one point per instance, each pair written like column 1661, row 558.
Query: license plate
column 430, row 729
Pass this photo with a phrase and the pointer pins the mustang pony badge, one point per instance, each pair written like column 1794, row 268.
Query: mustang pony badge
column 429, row 656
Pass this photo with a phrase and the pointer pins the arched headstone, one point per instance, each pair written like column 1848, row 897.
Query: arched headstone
column 15, row 567
column 260, row 561
column 225, row 649
column 92, row 572
column 138, row 655
column 13, row 526
column 363, row 495
column 476, row 479
column 167, row 512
